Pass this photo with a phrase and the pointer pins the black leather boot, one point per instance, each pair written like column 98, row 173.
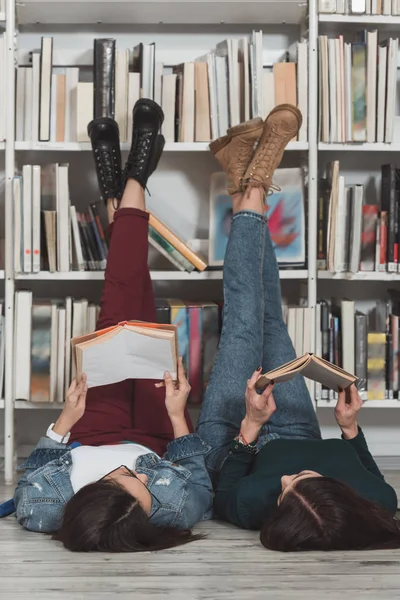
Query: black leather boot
column 104, row 135
column 147, row 143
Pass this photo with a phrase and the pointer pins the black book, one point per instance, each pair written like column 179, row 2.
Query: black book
column 163, row 311
column 324, row 191
column 92, row 264
column 361, row 357
column 93, row 244
column 104, row 78
column 44, row 257
column 97, row 239
column 85, row 252
column 95, row 210
column 388, row 204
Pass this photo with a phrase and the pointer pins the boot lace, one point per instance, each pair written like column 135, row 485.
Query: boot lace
column 265, row 162
column 108, row 170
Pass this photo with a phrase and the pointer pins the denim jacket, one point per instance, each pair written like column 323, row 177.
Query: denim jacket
column 179, row 481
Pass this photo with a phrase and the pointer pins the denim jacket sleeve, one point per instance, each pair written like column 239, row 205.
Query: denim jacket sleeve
column 44, row 488
column 189, row 451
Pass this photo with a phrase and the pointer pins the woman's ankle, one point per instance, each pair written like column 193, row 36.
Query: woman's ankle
column 252, row 199
column 133, row 196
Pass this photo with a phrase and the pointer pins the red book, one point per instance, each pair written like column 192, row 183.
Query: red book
column 368, row 237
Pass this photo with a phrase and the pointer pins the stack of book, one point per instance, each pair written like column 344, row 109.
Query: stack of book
column 42, row 345
column 201, row 99
column 357, row 83
column 49, row 233
column 360, row 7
column 364, row 344
column 352, row 235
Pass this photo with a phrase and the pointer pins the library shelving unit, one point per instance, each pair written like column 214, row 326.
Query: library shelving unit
column 183, row 30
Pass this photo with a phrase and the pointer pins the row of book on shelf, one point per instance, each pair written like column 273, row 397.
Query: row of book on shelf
column 353, row 235
column 366, row 344
column 360, row 7
column 201, row 99
column 44, row 329
column 358, row 86
column 50, row 234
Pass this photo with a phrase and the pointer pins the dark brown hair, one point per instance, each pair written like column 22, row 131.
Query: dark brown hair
column 321, row 513
column 104, row 517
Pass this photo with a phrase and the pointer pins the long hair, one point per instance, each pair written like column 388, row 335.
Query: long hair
column 321, row 513
column 104, row 517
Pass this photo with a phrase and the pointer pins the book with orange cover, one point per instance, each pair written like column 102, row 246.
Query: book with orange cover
column 311, row 366
column 173, row 239
column 129, row 350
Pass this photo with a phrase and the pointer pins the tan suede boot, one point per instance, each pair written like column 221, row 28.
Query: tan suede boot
column 234, row 151
column 281, row 125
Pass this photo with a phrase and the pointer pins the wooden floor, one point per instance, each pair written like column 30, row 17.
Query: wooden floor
column 229, row 565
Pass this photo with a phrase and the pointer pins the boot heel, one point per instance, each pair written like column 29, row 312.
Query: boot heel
column 218, row 144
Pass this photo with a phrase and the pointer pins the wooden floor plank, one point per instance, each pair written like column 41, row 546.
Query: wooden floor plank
column 230, row 564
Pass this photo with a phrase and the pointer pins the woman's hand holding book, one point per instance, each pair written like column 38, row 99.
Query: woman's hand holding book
column 346, row 411
column 74, row 407
column 259, row 408
column 176, row 396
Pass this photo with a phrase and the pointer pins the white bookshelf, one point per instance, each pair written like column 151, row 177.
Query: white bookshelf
column 368, row 404
column 360, row 276
column 169, row 147
column 375, row 20
column 182, row 32
column 354, row 147
column 155, row 275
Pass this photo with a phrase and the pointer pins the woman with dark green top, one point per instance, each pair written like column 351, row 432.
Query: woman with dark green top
column 270, row 467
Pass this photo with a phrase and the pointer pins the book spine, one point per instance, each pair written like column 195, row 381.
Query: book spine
column 86, row 244
column 92, row 242
column 195, row 327
column 46, row 63
column 97, row 239
column 361, row 342
column 104, row 78
column 323, row 208
column 388, row 204
column 96, row 216
column 163, row 311
column 359, row 52
column 169, row 251
column 40, row 353
column 383, row 242
column 176, row 242
column 378, row 245
column 210, row 341
column 389, row 356
column 368, row 237
column 376, row 365
column 325, row 340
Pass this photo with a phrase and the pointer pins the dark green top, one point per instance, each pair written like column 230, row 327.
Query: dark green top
column 249, row 484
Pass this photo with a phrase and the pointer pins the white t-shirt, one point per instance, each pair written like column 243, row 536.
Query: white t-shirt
column 91, row 463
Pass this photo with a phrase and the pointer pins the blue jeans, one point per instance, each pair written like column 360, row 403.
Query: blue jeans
column 253, row 334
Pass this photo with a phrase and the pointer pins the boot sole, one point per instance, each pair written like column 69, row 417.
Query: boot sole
column 156, row 107
column 246, row 127
column 290, row 108
column 218, row 144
